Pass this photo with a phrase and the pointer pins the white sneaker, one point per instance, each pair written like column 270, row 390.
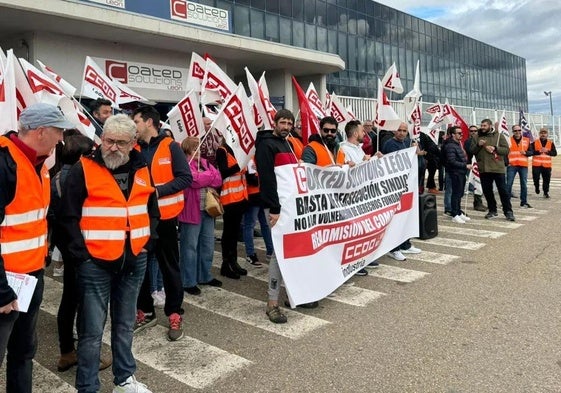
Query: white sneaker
column 458, row 220
column 158, row 301
column 162, row 295
column 397, row 255
column 131, row 385
column 411, row 250
column 58, row 271
column 464, row 217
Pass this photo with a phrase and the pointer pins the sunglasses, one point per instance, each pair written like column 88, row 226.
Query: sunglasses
column 329, row 130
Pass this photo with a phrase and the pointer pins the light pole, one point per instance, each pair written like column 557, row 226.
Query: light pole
column 548, row 93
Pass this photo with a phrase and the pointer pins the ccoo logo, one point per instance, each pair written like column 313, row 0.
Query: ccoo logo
column 117, row 70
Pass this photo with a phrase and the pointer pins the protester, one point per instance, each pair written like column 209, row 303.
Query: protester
column 456, row 168
column 233, row 197
column 109, row 218
column 490, row 148
column 210, row 142
column 544, row 149
column 196, row 235
column 24, row 198
column 369, row 142
column 520, row 150
column 253, row 213
column 323, row 148
column 477, row 199
column 272, row 149
column 401, row 141
column 295, row 139
column 101, row 110
column 171, row 175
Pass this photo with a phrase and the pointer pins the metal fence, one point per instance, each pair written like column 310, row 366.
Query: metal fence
column 363, row 108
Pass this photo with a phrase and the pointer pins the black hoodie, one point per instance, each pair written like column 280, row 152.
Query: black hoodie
column 271, row 151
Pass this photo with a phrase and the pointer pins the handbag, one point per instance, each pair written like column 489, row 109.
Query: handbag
column 212, row 203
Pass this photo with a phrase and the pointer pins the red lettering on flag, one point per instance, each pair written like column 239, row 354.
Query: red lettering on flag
column 188, row 117
column 198, row 71
column 234, row 112
column 98, row 81
column 213, row 82
column 37, row 84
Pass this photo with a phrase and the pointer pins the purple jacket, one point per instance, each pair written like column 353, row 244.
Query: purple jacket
column 210, row 177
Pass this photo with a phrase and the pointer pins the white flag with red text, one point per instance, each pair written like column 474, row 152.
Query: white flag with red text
column 264, row 112
column 68, row 89
column 44, row 88
column 339, row 112
column 503, row 128
column 474, row 179
column 8, row 113
column 391, row 80
column 235, row 122
column 315, row 103
column 75, row 114
column 196, row 73
column 126, row 94
column 415, row 118
column 98, row 85
column 433, row 133
column 186, row 119
column 266, row 99
column 386, row 118
column 217, row 85
column 24, row 93
column 412, row 98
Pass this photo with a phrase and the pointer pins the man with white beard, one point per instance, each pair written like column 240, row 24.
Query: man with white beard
column 110, row 218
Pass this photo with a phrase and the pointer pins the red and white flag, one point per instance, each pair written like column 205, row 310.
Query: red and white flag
column 196, row 73
column 391, row 80
column 264, row 112
column 217, row 85
column 415, row 118
column 24, row 93
column 44, row 88
column 447, row 113
column 503, row 128
column 474, row 179
column 435, row 121
column 412, row 98
column 98, row 85
column 339, row 112
column 308, row 120
column 235, row 122
column 186, row 119
column 266, row 99
column 75, row 114
column 315, row 103
column 432, row 133
column 8, row 113
column 386, row 118
column 434, row 108
column 126, row 94
column 459, row 121
column 68, row 89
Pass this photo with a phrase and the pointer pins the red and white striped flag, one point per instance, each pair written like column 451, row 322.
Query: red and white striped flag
column 98, row 85
column 235, row 122
column 185, row 119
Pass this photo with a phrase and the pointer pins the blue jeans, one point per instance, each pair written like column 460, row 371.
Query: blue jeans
column 196, row 251
column 249, row 219
column 522, row 171
column 447, row 193
column 97, row 286
column 156, row 280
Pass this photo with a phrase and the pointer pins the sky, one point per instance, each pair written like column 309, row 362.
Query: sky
column 530, row 29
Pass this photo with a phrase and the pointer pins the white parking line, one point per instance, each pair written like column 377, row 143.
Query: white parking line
column 454, row 243
column 433, row 257
column 461, row 230
column 397, row 273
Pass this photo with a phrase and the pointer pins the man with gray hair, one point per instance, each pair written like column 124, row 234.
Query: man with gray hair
column 24, row 198
column 109, row 219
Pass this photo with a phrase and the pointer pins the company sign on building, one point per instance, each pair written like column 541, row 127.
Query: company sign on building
column 183, row 11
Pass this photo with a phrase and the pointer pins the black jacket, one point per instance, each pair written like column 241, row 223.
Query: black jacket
column 73, row 197
column 271, row 151
column 456, row 158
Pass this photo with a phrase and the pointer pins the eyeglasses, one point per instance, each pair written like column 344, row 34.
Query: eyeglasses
column 329, row 130
column 472, row 130
column 458, row 133
column 403, row 129
column 120, row 143
column 516, row 130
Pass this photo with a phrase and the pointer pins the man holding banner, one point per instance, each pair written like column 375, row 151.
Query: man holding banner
column 272, row 149
column 323, row 149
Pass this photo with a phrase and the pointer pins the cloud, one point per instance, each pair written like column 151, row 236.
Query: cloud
column 530, row 29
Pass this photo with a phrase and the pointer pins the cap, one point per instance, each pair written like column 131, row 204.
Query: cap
column 43, row 115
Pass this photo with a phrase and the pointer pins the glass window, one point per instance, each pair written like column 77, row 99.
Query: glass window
column 257, row 24
column 273, row 6
column 285, row 8
column 298, row 34
column 321, row 13
column 322, row 39
column 241, row 21
column 258, row 4
column 362, row 49
column 298, row 10
column 272, row 27
column 286, row 31
column 310, row 36
column 332, row 41
column 352, row 59
column 342, row 42
column 310, row 11
column 225, row 5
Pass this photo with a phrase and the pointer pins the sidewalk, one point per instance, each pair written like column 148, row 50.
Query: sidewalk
column 556, row 167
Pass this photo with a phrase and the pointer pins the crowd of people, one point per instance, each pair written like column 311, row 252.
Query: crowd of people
column 128, row 217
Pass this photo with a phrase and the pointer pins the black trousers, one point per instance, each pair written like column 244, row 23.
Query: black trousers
column 487, row 180
column 232, row 220
column 68, row 307
column 546, row 175
column 431, row 167
column 167, row 254
column 458, row 184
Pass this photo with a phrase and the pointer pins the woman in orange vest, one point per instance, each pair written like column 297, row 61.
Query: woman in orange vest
column 544, row 149
column 234, row 199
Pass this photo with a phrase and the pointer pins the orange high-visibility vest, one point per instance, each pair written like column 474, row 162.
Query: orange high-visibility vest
column 234, row 187
column 107, row 216
column 162, row 172
column 543, row 159
column 23, row 232
column 515, row 157
column 324, row 156
column 297, row 146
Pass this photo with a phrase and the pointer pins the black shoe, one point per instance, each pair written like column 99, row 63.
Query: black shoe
column 361, row 273
column 213, row 283
column 373, row 264
column 253, row 260
column 192, row 290
column 227, row 271
column 537, row 189
column 491, row 215
column 447, row 213
column 305, row 305
column 479, row 208
column 238, row 269
column 546, row 195
column 526, row 205
column 509, row 216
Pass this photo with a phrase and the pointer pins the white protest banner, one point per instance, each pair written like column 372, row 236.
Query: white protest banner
column 336, row 220
column 185, row 119
column 8, row 112
column 98, row 85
